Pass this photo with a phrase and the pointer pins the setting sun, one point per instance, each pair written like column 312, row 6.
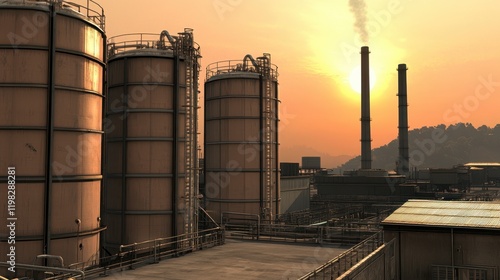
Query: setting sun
column 355, row 79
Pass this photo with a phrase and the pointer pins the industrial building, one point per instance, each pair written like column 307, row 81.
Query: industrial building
column 310, row 165
column 295, row 193
column 484, row 174
column 289, row 168
column 425, row 239
column 103, row 136
column 295, row 190
column 367, row 184
column 445, row 239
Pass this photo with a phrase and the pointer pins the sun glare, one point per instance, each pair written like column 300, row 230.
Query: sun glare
column 355, row 79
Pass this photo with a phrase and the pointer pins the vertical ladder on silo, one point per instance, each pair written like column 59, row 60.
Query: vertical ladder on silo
column 268, row 134
column 187, row 49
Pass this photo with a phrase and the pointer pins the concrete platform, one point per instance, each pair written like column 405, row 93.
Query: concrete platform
column 238, row 259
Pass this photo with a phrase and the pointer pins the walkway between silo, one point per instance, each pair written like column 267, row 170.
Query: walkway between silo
column 239, row 259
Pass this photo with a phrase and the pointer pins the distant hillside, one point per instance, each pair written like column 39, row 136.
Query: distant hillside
column 295, row 154
column 439, row 146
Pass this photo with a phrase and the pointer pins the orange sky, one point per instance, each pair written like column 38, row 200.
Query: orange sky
column 452, row 48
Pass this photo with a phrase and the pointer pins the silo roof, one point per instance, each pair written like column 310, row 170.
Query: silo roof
column 449, row 214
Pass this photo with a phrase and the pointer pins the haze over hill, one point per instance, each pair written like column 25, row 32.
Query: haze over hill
column 295, row 154
column 439, row 147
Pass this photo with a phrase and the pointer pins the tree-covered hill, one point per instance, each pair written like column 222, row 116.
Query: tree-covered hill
column 439, row 147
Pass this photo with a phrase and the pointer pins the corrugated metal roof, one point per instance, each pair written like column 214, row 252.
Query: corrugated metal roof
column 436, row 213
column 485, row 164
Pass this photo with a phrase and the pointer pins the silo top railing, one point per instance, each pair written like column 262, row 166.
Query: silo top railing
column 232, row 66
column 135, row 41
column 87, row 8
column 92, row 10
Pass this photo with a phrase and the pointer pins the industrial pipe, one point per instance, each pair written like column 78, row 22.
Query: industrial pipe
column 45, row 256
column 164, row 34
column 254, row 63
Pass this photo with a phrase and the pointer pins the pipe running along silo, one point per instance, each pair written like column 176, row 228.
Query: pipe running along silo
column 52, row 57
column 151, row 142
column 241, row 139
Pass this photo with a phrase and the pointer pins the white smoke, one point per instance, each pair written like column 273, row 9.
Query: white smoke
column 358, row 8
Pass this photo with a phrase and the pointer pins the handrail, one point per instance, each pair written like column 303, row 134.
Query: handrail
column 132, row 254
column 244, row 214
column 87, row 8
column 135, row 41
column 377, row 238
column 46, row 269
column 235, row 66
column 208, row 215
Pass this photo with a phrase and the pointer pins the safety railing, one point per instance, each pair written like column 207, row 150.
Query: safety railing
column 164, row 41
column 155, row 250
column 249, row 227
column 131, row 41
column 448, row 272
column 91, row 9
column 342, row 263
column 87, row 8
column 232, row 66
column 151, row 251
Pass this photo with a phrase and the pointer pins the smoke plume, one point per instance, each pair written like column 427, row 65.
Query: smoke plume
column 358, row 8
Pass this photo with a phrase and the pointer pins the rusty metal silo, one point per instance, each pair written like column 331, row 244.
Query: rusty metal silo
column 241, row 138
column 151, row 142
column 52, row 57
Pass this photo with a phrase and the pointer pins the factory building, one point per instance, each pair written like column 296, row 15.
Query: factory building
column 426, row 239
column 382, row 187
column 484, row 174
column 294, row 193
column 445, row 239
column 108, row 128
column 367, row 183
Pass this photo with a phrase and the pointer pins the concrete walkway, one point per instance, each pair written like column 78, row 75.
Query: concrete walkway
column 240, row 260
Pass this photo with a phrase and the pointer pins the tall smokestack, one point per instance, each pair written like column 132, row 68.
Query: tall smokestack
column 403, row 160
column 366, row 150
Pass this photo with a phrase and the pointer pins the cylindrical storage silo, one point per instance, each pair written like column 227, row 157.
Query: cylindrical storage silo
column 151, row 140
column 241, row 139
column 52, row 57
